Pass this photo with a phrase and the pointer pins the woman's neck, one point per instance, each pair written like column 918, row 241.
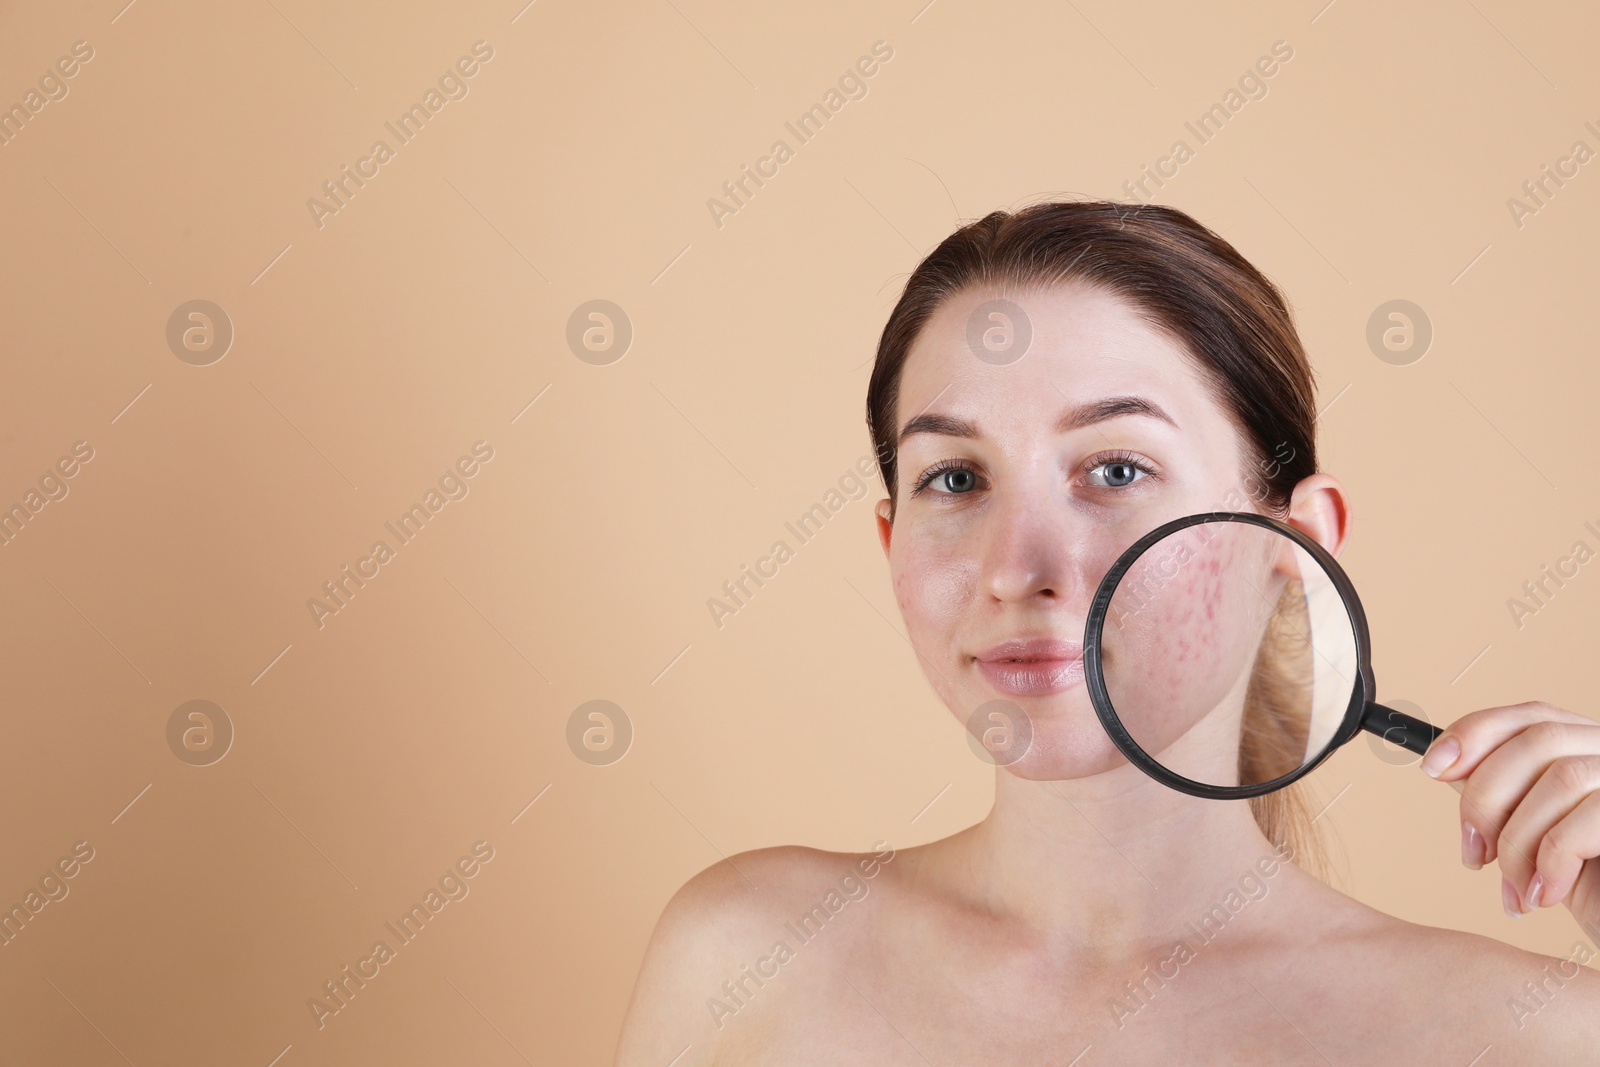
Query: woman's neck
column 1108, row 863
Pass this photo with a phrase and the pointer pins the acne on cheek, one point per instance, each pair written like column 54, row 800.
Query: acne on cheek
column 1181, row 581
column 1222, row 619
column 1182, row 643
column 1203, row 594
column 940, row 596
column 928, row 569
column 921, row 590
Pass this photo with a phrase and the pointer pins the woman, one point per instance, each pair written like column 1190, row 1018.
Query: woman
column 1053, row 384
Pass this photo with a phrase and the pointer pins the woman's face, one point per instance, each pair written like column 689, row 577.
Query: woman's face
column 1020, row 484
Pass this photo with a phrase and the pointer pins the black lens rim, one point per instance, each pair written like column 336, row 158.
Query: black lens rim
column 1094, row 677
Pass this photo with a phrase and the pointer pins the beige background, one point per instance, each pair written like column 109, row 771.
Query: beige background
column 427, row 314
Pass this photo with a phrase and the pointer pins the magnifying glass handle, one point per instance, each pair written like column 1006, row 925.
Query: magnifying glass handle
column 1401, row 729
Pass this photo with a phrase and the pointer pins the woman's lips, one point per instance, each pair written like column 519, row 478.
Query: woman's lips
column 1033, row 666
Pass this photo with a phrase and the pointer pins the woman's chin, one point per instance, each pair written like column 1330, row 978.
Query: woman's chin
column 1061, row 755
column 1052, row 738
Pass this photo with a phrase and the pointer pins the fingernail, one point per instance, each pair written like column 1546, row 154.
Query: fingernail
column 1440, row 756
column 1508, row 898
column 1535, row 884
column 1473, row 851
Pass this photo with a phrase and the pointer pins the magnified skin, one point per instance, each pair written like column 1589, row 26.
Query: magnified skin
column 1181, row 639
column 1232, row 626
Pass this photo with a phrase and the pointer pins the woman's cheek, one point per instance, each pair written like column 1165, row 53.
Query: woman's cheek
column 934, row 591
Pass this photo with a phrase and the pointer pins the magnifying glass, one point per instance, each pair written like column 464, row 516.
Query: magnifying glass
column 1227, row 655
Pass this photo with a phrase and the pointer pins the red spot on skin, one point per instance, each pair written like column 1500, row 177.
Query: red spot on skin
column 1176, row 657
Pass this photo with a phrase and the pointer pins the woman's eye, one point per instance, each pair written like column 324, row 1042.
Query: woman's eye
column 1115, row 474
column 948, row 481
column 959, row 480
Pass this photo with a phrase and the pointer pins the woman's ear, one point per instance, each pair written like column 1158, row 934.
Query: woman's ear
column 1320, row 507
column 884, row 510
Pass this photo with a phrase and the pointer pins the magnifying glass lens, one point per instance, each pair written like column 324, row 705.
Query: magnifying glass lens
column 1228, row 654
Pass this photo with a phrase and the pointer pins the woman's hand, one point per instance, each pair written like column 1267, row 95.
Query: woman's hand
column 1529, row 779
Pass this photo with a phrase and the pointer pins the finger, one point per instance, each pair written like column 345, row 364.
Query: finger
column 1503, row 777
column 1548, row 826
column 1565, row 849
column 1458, row 750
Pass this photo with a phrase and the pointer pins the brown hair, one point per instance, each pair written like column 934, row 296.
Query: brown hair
column 1187, row 281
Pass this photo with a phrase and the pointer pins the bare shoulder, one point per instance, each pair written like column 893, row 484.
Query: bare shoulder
column 735, row 921
column 1529, row 1006
column 1464, row 954
column 1526, row 1006
column 741, row 896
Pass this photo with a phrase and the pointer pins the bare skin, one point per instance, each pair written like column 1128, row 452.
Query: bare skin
column 1071, row 924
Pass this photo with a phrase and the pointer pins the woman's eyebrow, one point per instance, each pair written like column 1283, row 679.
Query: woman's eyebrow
column 1074, row 418
column 1110, row 408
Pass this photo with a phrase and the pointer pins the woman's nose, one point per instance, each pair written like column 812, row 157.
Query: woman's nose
column 1029, row 548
